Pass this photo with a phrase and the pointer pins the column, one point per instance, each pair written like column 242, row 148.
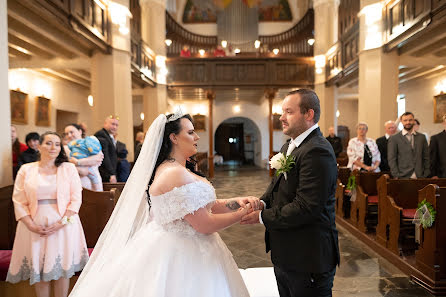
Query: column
column 5, row 113
column 270, row 94
column 325, row 19
column 378, row 72
column 111, row 83
column 210, row 95
column 153, row 23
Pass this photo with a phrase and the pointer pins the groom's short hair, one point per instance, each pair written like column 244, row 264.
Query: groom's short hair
column 308, row 100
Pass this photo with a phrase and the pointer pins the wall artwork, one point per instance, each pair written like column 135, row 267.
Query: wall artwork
column 439, row 108
column 205, row 11
column 19, row 107
column 43, row 111
column 199, row 122
column 277, row 125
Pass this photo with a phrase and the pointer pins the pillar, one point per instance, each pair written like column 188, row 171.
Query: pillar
column 325, row 19
column 270, row 94
column 5, row 113
column 210, row 95
column 111, row 85
column 153, row 23
column 378, row 72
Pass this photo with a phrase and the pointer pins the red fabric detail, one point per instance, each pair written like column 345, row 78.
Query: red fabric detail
column 90, row 250
column 373, row 199
column 409, row 213
column 5, row 258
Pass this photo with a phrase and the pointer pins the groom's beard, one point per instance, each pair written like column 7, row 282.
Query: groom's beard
column 298, row 128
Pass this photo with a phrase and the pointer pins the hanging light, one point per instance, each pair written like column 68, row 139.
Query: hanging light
column 224, row 43
column 311, row 41
column 236, row 108
column 168, row 42
column 202, row 52
column 276, row 51
column 237, row 51
column 90, row 100
column 338, row 113
column 142, row 116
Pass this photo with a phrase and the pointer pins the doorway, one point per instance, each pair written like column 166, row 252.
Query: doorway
column 229, row 142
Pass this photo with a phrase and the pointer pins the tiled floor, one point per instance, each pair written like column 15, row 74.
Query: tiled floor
column 362, row 273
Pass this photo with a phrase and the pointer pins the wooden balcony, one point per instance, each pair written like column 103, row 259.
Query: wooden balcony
column 143, row 64
column 241, row 72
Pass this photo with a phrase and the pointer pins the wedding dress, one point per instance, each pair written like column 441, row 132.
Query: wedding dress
column 167, row 257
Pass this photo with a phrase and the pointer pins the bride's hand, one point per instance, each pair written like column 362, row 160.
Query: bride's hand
column 253, row 201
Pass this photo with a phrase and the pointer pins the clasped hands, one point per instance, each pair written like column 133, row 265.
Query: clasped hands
column 45, row 231
column 252, row 207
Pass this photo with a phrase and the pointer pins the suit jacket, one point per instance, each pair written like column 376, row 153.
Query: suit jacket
column 382, row 146
column 69, row 189
column 300, row 211
column 108, row 166
column 336, row 143
column 404, row 160
column 437, row 153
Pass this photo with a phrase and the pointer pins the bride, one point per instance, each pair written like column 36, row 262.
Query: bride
column 163, row 243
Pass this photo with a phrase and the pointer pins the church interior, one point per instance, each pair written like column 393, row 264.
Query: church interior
column 229, row 64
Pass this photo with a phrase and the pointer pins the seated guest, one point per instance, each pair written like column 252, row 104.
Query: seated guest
column 123, row 167
column 407, row 151
column 185, row 52
column 49, row 245
column 32, row 153
column 363, row 153
column 335, row 141
column 437, row 153
column 17, row 149
column 390, row 128
column 219, row 52
column 87, row 165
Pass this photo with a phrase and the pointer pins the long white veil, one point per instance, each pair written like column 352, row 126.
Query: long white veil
column 130, row 213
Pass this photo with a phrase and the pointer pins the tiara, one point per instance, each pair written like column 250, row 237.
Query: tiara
column 176, row 115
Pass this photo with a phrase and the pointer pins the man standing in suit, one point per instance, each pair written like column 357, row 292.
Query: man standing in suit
column 408, row 152
column 299, row 207
column 437, row 150
column 107, row 139
column 335, row 141
column 381, row 142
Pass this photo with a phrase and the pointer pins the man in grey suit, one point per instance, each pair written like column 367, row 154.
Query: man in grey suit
column 408, row 152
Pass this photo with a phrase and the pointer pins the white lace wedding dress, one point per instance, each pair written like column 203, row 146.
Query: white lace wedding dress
column 168, row 258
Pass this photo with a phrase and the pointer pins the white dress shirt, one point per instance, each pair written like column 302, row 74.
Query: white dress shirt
column 297, row 142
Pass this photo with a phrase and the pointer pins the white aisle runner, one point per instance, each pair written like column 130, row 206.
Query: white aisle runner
column 261, row 282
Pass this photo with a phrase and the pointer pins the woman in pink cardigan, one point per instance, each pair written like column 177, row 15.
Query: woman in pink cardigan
column 49, row 245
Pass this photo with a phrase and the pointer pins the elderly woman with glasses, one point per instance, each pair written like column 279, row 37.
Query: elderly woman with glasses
column 363, row 153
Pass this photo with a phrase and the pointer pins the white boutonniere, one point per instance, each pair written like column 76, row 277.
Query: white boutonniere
column 282, row 163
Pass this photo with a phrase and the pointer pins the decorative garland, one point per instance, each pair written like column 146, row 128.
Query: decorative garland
column 425, row 214
column 351, row 183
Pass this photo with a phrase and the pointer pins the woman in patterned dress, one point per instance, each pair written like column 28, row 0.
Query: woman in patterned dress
column 49, row 245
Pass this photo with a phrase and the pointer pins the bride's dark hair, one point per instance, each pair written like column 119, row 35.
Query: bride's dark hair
column 166, row 148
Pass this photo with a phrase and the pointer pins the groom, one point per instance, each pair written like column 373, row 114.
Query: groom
column 299, row 206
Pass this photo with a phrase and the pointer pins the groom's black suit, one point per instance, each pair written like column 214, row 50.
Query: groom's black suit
column 300, row 219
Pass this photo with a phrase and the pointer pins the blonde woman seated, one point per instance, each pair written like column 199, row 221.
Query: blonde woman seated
column 363, row 153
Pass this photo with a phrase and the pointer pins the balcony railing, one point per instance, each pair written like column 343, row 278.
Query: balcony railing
column 234, row 72
column 143, row 63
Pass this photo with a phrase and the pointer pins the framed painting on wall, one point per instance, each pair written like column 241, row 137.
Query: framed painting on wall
column 43, row 111
column 439, row 108
column 19, row 107
column 199, row 122
column 277, row 125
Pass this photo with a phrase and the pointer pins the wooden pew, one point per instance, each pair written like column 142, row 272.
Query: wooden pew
column 364, row 210
column 341, row 199
column 397, row 202
column 8, row 223
column 95, row 211
column 119, row 187
column 431, row 253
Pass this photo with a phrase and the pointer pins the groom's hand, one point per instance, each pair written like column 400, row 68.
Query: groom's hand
column 253, row 201
column 251, row 218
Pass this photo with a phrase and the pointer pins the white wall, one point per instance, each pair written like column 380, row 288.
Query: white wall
column 137, row 109
column 63, row 95
column 223, row 110
column 420, row 101
column 298, row 9
column 348, row 109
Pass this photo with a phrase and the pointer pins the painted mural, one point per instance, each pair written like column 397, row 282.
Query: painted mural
column 205, row 11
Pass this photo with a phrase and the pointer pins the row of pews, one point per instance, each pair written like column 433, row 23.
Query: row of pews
column 381, row 212
column 94, row 213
